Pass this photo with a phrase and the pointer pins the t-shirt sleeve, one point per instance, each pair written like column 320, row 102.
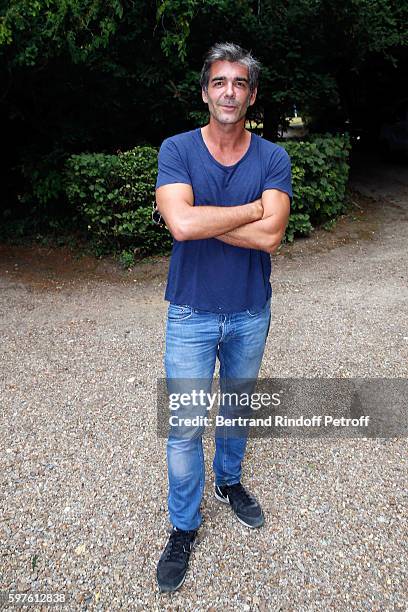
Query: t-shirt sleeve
column 172, row 169
column 279, row 173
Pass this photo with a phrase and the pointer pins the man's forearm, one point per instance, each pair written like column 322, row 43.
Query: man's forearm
column 200, row 222
column 263, row 235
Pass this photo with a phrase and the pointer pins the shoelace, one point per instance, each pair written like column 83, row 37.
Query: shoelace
column 178, row 543
column 239, row 492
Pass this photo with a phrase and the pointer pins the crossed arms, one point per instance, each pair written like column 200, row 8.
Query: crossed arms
column 256, row 225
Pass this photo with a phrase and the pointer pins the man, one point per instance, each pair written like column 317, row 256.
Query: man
column 224, row 194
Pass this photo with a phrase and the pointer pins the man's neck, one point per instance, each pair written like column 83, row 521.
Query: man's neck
column 226, row 137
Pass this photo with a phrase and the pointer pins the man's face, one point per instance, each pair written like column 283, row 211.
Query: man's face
column 228, row 96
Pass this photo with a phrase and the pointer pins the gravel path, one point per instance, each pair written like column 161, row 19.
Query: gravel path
column 83, row 476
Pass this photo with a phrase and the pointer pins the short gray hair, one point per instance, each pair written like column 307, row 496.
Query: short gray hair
column 231, row 53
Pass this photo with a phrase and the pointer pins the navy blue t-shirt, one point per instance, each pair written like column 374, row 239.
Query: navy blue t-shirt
column 209, row 274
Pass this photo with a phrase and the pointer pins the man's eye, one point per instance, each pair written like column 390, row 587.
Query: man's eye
column 217, row 83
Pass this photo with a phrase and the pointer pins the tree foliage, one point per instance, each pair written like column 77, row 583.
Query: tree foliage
column 89, row 75
column 79, row 26
column 312, row 51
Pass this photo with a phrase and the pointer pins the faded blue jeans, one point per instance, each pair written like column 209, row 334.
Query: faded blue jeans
column 194, row 339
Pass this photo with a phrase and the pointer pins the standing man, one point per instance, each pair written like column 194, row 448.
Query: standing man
column 225, row 196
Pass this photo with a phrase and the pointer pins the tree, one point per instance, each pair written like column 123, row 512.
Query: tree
column 88, row 75
column 311, row 50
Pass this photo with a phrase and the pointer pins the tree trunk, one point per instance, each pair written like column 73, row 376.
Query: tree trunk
column 270, row 123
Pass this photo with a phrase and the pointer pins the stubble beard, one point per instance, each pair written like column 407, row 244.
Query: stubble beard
column 218, row 115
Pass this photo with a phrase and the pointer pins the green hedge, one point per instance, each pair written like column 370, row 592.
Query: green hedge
column 114, row 194
column 320, row 172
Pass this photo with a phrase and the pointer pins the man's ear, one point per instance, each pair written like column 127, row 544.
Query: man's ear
column 252, row 97
column 204, row 95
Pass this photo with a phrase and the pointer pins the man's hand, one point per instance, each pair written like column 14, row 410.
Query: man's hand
column 188, row 222
column 267, row 233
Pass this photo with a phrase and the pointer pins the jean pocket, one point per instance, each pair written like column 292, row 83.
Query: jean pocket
column 179, row 313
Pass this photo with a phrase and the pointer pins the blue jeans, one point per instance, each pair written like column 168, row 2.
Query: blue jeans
column 194, row 339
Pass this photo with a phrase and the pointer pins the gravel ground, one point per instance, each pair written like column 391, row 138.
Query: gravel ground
column 83, row 475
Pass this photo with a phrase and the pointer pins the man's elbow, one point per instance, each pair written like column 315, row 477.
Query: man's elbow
column 178, row 222
column 273, row 243
column 180, row 230
column 273, row 247
column 177, row 233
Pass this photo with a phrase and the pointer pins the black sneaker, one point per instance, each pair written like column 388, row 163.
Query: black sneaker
column 245, row 506
column 173, row 564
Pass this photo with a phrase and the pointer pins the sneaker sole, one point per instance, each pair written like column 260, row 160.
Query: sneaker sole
column 173, row 589
column 226, row 501
column 251, row 526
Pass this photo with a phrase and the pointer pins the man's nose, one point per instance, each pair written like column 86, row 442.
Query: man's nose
column 229, row 90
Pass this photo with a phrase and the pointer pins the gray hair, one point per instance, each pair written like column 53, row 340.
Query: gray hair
column 231, row 53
